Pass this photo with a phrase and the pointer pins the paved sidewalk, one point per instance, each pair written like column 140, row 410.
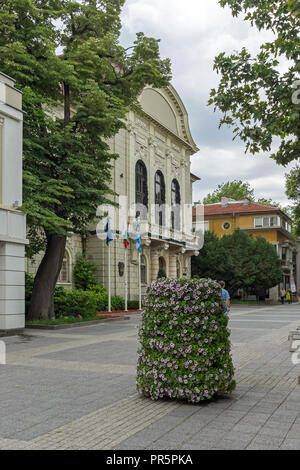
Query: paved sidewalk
column 75, row 389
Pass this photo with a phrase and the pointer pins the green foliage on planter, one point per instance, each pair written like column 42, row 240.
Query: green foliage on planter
column 185, row 342
column 84, row 273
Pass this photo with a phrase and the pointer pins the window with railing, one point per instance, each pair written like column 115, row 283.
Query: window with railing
column 141, row 189
column 160, row 199
column 175, row 201
column 267, row 222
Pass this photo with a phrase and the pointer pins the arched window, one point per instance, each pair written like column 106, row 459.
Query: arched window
column 141, row 189
column 175, row 202
column 64, row 275
column 144, row 270
column 160, row 198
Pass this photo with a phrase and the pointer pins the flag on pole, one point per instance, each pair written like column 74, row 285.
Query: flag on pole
column 138, row 238
column 109, row 236
column 125, row 235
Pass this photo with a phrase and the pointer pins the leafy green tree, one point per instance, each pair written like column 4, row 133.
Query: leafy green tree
column 255, row 97
column 84, row 273
column 74, row 100
column 233, row 189
column 237, row 190
column 268, row 266
column 293, row 193
column 239, row 268
column 240, row 260
column 210, row 261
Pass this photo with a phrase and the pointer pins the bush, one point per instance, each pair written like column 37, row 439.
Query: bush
column 72, row 303
column 29, row 280
column 84, row 273
column 99, row 289
column 102, row 302
column 133, row 305
column 185, row 344
column 117, row 303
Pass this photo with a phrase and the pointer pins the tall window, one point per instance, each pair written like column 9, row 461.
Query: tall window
column 141, row 189
column 160, row 198
column 175, row 202
column 64, row 275
column 143, row 270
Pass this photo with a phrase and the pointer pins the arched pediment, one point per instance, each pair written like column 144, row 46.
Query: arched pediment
column 165, row 106
column 157, row 106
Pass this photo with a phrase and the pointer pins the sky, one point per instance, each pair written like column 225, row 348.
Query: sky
column 192, row 33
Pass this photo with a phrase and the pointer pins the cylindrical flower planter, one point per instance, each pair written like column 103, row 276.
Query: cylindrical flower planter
column 184, row 341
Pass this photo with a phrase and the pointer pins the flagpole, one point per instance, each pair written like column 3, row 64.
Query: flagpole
column 109, row 281
column 126, row 283
column 140, row 285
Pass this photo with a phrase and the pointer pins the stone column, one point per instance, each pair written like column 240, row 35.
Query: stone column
column 173, row 265
column 154, row 265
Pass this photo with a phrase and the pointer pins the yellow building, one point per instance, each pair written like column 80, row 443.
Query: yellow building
column 258, row 220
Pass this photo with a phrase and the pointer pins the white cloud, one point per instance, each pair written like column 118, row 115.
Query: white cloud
column 192, row 33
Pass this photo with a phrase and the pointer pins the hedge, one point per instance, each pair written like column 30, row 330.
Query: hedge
column 70, row 303
column 185, row 342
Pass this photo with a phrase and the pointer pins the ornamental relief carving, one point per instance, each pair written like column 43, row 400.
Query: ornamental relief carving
column 141, row 140
column 141, row 152
column 139, row 122
column 131, row 128
column 176, row 148
column 160, row 136
column 159, row 166
column 175, row 162
column 159, row 152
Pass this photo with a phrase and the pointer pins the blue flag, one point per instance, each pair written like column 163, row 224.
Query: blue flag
column 109, row 236
column 138, row 239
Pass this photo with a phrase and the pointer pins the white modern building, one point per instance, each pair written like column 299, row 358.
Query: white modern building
column 12, row 221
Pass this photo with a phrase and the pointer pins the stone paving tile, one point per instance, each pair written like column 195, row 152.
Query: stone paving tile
column 56, row 403
column 265, row 443
column 290, row 444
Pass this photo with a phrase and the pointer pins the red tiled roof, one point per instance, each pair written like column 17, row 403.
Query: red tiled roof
column 235, row 208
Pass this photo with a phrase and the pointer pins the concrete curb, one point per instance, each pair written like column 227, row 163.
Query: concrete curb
column 73, row 325
column 15, row 332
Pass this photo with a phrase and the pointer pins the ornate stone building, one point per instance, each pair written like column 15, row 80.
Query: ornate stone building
column 153, row 180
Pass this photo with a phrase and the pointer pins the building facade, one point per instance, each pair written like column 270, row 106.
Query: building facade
column 257, row 220
column 12, row 221
column 154, row 185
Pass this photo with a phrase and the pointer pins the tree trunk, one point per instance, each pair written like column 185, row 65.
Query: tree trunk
column 42, row 299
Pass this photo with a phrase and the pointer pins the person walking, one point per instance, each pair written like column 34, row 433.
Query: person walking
column 226, row 298
column 289, row 296
column 282, row 295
